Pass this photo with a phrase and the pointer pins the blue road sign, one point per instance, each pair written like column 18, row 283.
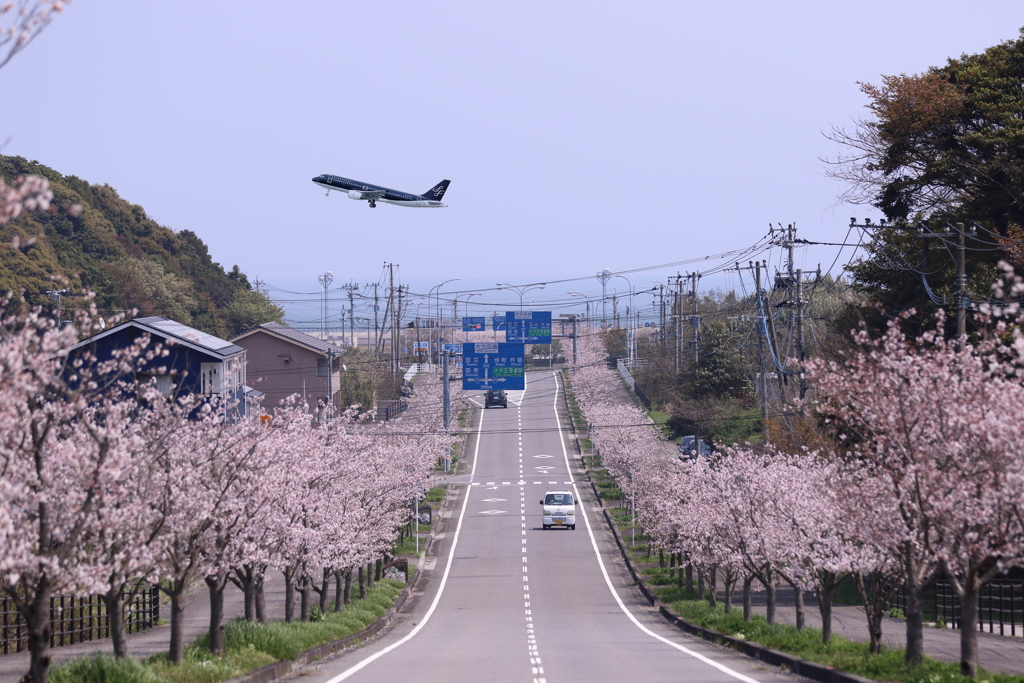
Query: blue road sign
column 474, row 324
column 498, row 323
column 454, row 349
column 528, row 327
column 493, row 366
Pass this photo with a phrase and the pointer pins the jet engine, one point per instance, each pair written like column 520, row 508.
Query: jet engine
column 355, row 194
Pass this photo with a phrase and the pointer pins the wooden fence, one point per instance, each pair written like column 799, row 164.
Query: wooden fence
column 75, row 619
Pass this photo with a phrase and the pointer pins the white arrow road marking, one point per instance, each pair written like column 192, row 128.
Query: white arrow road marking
column 544, row 468
column 494, row 500
column 493, row 512
column 543, row 456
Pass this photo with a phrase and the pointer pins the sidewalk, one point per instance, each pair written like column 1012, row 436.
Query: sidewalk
column 155, row 640
column 1003, row 654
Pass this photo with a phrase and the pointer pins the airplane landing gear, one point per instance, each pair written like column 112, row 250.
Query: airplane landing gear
column 373, row 204
column 327, row 194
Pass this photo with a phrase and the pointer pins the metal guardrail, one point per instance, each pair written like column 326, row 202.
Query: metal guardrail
column 75, row 619
column 633, row 385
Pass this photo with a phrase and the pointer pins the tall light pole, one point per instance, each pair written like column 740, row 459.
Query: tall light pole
column 604, row 276
column 437, row 309
column 588, row 303
column 455, row 323
column 325, row 281
column 521, row 289
column 632, row 313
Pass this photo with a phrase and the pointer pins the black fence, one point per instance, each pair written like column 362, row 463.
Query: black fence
column 390, row 409
column 76, row 619
column 1000, row 606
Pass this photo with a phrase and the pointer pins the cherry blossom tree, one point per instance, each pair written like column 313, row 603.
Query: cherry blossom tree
column 926, row 419
column 68, row 442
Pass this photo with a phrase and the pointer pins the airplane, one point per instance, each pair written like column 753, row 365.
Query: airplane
column 374, row 193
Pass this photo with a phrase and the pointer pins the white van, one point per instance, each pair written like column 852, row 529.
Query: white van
column 559, row 509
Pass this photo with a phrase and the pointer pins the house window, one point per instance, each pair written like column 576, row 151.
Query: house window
column 212, row 377
column 165, row 384
column 321, row 367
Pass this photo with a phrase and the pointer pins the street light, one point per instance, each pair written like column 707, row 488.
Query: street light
column 456, row 310
column 521, row 289
column 588, row 303
column 438, row 308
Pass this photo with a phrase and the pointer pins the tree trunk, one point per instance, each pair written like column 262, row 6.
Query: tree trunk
column 873, row 596
column 730, row 579
column 713, row 586
column 747, row 580
column 827, row 582
column 770, row 589
column 671, row 565
column 339, row 587
column 798, row 603
column 914, row 614
column 113, row 599
column 215, row 583
column 369, row 574
column 37, row 620
column 289, row 594
column 362, row 581
column 305, row 590
column 261, row 600
column 377, row 569
column 689, row 577
column 969, row 627
column 323, row 589
column 700, row 583
column 176, row 648
column 348, row 587
column 661, row 558
column 825, row 610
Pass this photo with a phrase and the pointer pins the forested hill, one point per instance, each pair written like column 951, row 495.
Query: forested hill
column 126, row 258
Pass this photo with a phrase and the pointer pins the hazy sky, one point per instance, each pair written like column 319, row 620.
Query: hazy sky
column 577, row 135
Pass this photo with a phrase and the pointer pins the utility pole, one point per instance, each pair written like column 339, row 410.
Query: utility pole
column 694, row 321
column 604, row 276
column 761, row 383
column 351, row 288
column 55, row 295
column 801, row 355
column 961, row 286
column 376, row 308
column 574, row 357
column 325, row 281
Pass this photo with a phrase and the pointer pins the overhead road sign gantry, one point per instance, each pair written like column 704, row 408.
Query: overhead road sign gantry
column 528, row 327
column 488, row 366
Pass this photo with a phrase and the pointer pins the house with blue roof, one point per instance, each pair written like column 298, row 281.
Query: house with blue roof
column 197, row 362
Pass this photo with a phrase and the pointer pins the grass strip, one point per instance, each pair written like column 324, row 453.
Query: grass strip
column 840, row 653
column 247, row 647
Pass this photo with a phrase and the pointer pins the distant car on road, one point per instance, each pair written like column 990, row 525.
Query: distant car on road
column 495, row 397
column 688, row 447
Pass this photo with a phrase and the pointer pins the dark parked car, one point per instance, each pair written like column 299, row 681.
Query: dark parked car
column 496, row 397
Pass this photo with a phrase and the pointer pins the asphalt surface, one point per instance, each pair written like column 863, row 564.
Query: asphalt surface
column 509, row 601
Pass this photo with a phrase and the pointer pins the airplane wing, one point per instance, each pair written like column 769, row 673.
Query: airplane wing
column 373, row 195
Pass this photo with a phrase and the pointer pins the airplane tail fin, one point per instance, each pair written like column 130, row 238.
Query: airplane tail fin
column 437, row 191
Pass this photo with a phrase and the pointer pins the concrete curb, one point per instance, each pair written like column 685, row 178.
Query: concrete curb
column 273, row 672
column 801, row 667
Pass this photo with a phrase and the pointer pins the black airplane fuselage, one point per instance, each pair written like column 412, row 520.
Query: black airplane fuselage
column 356, row 189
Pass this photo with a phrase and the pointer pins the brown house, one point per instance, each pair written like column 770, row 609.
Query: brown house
column 283, row 361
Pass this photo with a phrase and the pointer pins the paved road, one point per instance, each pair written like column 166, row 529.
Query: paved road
column 512, row 602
